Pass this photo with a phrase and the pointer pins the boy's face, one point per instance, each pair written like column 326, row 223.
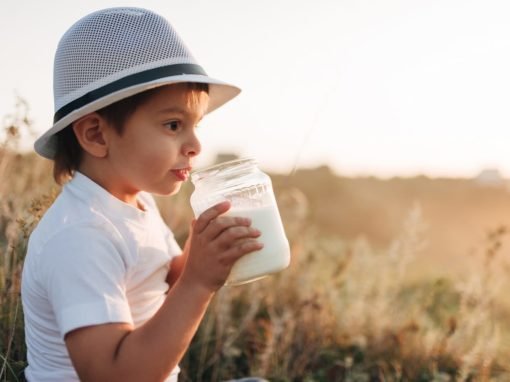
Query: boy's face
column 156, row 149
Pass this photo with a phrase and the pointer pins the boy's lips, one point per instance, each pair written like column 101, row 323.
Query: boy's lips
column 182, row 173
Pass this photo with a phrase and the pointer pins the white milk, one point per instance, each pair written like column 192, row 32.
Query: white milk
column 275, row 255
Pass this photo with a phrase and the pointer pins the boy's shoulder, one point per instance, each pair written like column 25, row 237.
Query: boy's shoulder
column 84, row 202
column 68, row 214
column 83, row 209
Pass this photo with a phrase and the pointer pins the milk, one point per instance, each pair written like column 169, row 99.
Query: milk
column 273, row 257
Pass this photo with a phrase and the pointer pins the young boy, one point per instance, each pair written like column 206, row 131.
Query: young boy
column 107, row 293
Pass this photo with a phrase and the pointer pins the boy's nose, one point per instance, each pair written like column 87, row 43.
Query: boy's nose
column 192, row 147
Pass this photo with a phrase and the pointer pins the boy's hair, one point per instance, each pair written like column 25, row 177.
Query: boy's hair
column 69, row 153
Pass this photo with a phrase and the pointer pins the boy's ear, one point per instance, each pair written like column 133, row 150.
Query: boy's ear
column 90, row 131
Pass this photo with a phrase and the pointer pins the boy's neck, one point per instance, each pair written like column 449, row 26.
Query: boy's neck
column 108, row 181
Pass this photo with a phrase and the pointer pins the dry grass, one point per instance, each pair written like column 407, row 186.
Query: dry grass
column 345, row 310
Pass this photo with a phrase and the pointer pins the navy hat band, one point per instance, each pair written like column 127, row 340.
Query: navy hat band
column 128, row 81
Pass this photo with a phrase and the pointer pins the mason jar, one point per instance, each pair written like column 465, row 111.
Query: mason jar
column 251, row 195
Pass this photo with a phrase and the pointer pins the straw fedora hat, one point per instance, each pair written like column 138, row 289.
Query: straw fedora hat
column 115, row 53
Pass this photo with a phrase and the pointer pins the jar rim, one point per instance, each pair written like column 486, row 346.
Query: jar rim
column 221, row 167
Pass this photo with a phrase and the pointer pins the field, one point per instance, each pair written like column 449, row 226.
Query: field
column 390, row 280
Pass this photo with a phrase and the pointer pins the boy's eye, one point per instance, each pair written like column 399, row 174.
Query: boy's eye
column 173, row 125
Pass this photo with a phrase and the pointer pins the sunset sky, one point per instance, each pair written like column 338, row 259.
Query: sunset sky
column 369, row 87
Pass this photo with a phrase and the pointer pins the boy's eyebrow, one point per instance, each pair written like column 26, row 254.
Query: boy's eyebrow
column 176, row 109
column 172, row 110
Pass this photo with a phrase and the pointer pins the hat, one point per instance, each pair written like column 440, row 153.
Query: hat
column 115, row 53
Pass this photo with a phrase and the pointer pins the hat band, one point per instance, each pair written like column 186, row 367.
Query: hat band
column 125, row 82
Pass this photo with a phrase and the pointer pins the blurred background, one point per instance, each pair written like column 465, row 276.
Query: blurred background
column 384, row 88
column 385, row 128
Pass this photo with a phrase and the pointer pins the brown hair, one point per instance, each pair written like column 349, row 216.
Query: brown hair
column 69, row 153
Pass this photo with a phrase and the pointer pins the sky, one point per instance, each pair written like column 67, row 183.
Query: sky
column 368, row 87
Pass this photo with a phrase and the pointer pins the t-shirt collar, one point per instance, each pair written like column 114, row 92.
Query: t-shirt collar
column 87, row 189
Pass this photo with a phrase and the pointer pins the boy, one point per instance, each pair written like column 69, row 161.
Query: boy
column 107, row 293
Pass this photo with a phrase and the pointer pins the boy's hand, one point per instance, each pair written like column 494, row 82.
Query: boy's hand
column 215, row 243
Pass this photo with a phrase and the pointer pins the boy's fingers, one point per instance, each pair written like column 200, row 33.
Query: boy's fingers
column 210, row 214
column 243, row 248
column 231, row 236
column 225, row 224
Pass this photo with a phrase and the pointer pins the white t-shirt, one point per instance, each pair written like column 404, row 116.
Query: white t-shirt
column 92, row 259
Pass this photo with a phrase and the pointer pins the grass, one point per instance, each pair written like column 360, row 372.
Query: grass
column 345, row 310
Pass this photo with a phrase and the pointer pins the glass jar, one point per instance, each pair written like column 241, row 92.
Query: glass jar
column 250, row 193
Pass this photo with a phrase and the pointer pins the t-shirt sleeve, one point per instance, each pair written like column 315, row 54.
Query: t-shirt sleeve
column 84, row 273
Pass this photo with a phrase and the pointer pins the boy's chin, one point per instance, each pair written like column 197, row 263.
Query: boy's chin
column 172, row 190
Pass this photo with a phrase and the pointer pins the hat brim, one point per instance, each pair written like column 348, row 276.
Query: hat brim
column 219, row 93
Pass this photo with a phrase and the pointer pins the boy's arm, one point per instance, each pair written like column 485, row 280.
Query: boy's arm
column 117, row 351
